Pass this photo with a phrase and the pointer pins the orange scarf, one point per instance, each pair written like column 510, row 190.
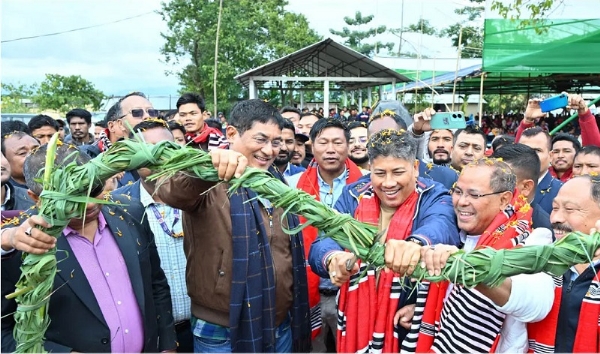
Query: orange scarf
column 507, row 230
column 309, row 182
column 366, row 307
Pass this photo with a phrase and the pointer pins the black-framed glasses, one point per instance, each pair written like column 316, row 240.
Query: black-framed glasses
column 139, row 112
column 457, row 192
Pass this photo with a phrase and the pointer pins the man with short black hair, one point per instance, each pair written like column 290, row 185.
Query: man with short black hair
column 80, row 121
column 282, row 161
column 525, row 163
column 587, row 161
column 305, row 124
column 548, row 186
column 199, row 134
column 42, row 127
column 245, row 276
column 572, row 326
column 564, row 148
column 12, row 198
column 16, row 146
column 124, row 115
column 358, row 144
column 364, row 115
column 325, row 178
column 292, row 114
column 469, row 145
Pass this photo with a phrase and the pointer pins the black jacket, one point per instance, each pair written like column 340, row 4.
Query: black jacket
column 19, row 200
column 570, row 307
column 77, row 323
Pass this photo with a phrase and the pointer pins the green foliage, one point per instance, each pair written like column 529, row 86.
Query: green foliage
column 472, row 30
column 252, row 34
column 355, row 39
column 13, row 96
column 506, row 102
column 538, row 9
column 63, row 93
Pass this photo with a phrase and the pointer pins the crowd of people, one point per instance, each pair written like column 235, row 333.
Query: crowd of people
column 184, row 265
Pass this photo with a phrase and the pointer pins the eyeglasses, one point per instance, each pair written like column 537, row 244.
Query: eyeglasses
column 139, row 113
column 263, row 141
column 360, row 139
column 457, row 192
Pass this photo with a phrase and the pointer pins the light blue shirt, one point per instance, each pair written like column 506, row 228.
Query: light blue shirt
column 575, row 274
column 172, row 256
column 328, row 196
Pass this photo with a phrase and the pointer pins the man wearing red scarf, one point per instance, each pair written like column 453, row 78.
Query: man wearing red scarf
column 326, row 175
column 410, row 212
column 190, row 108
column 573, row 325
column 450, row 318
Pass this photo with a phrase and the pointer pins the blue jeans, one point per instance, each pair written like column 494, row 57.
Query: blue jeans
column 283, row 341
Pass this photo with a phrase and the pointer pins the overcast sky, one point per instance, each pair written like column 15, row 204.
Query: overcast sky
column 124, row 56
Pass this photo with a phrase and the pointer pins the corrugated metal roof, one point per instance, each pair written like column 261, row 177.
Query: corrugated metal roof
column 326, row 58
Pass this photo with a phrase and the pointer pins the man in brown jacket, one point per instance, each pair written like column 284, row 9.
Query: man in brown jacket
column 246, row 278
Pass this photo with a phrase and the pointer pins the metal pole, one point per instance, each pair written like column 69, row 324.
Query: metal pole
column 326, row 97
column 457, row 63
column 481, row 98
column 370, row 96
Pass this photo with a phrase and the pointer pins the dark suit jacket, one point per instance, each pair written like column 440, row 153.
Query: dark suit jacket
column 131, row 190
column 442, row 174
column 546, row 190
column 77, row 323
column 19, row 200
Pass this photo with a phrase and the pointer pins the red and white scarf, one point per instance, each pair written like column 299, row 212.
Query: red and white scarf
column 542, row 335
column 214, row 138
column 309, row 182
column 367, row 305
column 451, row 325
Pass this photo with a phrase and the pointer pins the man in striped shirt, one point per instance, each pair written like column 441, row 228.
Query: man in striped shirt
column 450, row 318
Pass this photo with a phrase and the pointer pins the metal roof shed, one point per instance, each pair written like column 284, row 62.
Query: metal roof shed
column 320, row 64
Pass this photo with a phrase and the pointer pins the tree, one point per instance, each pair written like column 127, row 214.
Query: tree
column 471, row 38
column 505, row 103
column 63, row 93
column 252, row 33
column 355, row 38
column 422, row 26
column 14, row 96
column 538, row 9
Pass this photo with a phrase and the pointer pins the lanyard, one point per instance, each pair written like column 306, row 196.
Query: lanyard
column 162, row 222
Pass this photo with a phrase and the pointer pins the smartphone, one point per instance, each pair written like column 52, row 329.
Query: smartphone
column 448, row 120
column 556, row 102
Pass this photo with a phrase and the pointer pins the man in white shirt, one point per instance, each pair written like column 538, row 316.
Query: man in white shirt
column 481, row 318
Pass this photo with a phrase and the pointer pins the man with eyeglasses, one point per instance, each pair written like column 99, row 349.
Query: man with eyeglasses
column 325, row 178
column 491, row 212
column 198, row 134
column 245, row 276
column 130, row 110
column 358, row 144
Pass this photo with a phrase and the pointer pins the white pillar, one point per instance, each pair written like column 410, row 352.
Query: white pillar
column 251, row 88
column 301, row 100
column 394, row 89
column 369, row 96
column 360, row 100
column 353, row 100
column 345, row 98
column 381, row 93
column 326, row 98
